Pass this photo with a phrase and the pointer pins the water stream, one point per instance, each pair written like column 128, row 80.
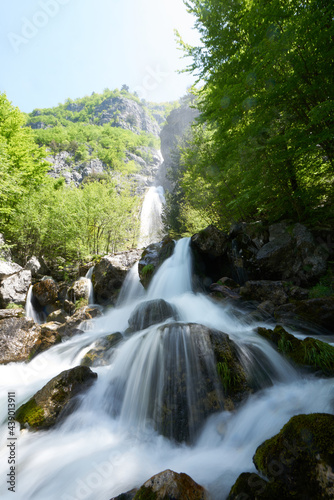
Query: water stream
column 110, row 445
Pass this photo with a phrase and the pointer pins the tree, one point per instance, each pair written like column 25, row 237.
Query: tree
column 265, row 142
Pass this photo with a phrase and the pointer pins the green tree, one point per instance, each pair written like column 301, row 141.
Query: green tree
column 265, row 142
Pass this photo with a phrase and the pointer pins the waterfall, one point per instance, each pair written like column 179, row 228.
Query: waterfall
column 154, row 387
column 32, row 310
column 88, row 276
column 151, row 228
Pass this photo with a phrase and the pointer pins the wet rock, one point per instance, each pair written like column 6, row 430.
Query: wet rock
column 250, row 486
column 318, row 312
column 21, row 339
column 56, row 399
column 102, row 351
column 59, row 316
column 205, row 375
column 72, row 325
column 275, row 291
column 152, row 258
column 45, row 292
column 150, row 313
column 79, row 290
column 14, row 289
column 311, row 354
column 304, row 448
column 109, row 274
column 171, row 485
column 48, row 337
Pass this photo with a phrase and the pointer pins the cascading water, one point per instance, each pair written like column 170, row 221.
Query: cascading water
column 151, row 228
column 32, row 310
column 88, row 276
column 119, row 435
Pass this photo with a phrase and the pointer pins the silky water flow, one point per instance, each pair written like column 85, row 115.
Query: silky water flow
column 118, row 437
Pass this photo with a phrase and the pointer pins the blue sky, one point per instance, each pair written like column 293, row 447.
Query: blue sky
column 55, row 49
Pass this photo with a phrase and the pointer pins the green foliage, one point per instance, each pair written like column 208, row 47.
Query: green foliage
column 284, row 345
column 81, row 303
column 11, row 305
column 224, row 372
column 22, row 165
column 60, row 221
column 147, row 270
column 264, row 144
column 319, row 354
column 325, row 287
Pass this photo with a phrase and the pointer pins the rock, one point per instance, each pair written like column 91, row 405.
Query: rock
column 250, row 486
column 46, row 292
column 129, row 495
column 36, row 267
column 311, row 354
column 275, row 291
column 21, row 339
column 311, row 312
column 304, row 448
column 72, row 325
column 56, row 399
column 15, row 312
column 58, row 316
column 8, row 268
column 48, row 337
column 14, row 289
column 150, row 313
column 5, row 253
column 79, row 290
column 109, row 274
column 101, row 353
column 210, row 251
column 171, row 485
column 292, row 254
column 199, row 372
column 152, row 258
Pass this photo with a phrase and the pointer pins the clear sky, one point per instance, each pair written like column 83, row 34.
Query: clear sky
column 55, row 49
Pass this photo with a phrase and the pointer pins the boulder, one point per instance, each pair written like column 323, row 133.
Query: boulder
column 313, row 312
column 310, row 354
column 79, row 290
column 152, row 258
column 21, row 339
column 170, row 485
column 7, row 268
column 277, row 292
column 72, row 325
column 56, row 399
column 292, row 254
column 36, row 267
column 59, row 316
column 102, row 351
column 150, row 313
column 15, row 312
column 304, row 448
column 197, row 373
column 109, row 274
column 14, row 289
column 45, row 292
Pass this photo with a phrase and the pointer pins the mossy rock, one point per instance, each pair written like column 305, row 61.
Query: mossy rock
column 169, row 485
column 250, row 486
column 152, row 258
column 101, row 353
column 56, row 399
column 311, row 354
column 304, row 448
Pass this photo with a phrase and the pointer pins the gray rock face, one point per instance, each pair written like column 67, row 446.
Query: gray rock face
column 109, row 274
column 8, row 268
column 35, row 266
column 14, row 289
column 152, row 258
column 127, row 114
column 63, row 165
column 178, row 121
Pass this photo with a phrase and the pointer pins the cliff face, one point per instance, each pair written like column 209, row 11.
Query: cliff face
column 178, row 122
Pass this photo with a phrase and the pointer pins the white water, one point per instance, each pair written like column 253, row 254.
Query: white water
column 88, row 276
column 151, row 228
column 31, row 311
column 108, row 446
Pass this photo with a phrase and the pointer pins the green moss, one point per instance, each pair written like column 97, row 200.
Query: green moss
column 81, row 303
column 11, row 305
column 30, row 413
column 147, row 270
